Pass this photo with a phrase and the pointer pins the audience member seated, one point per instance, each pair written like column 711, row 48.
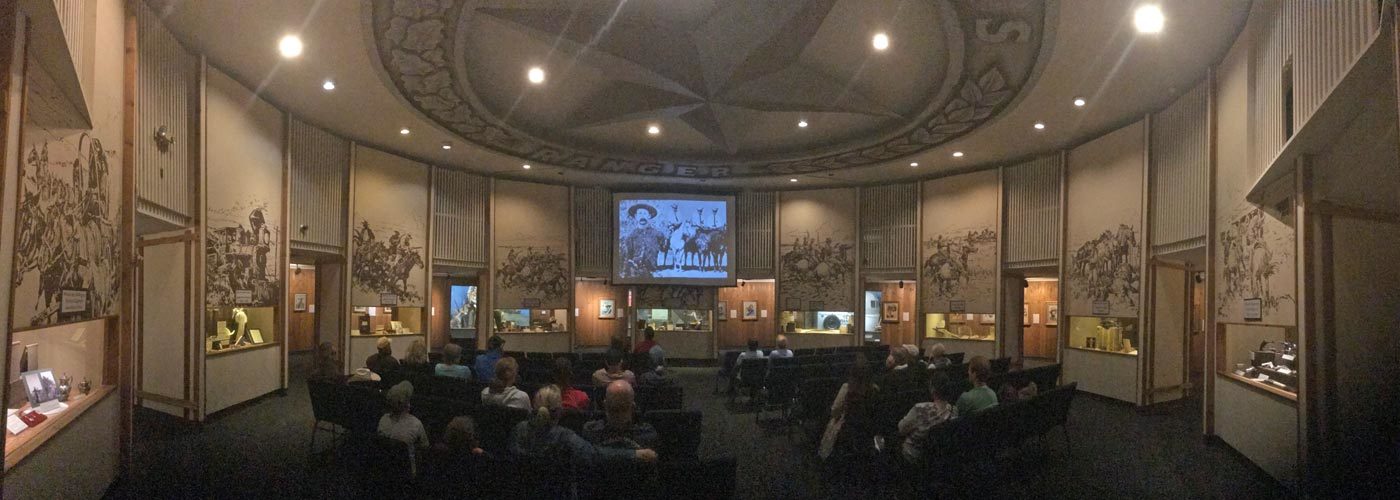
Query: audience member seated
column 460, row 437
column 363, row 375
column 451, row 365
column 980, row 397
column 938, row 357
column 619, row 427
column 382, row 361
column 543, row 437
column 1010, row 392
column 901, row 376
column 753, row 352
column 417, row 358
column 855, row 396
column 399, row 424
column 654, row 374
column 326, row 367
column 485, row 366
column 613, row 370
column 573, row 399
column 924, row 416
column 782, row 351
column 502, row 390
column 915, row 361
column 649, row 346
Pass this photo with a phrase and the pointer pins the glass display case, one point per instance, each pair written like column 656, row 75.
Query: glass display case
column 816, row 321
column 530, row 320
column 386, row 320
column 690, row 320
column 1107, row 334
column 960, row 326
column 233, row 328
column 1262, row 356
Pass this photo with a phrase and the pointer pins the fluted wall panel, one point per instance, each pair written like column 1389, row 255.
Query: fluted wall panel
column 320, row 175
column 460, row 202
column 165, row 77
column 757, row 213
column 1180, row 172
column 73, row 20
column 889, row 227
column 593, row 229
column 1033, row 212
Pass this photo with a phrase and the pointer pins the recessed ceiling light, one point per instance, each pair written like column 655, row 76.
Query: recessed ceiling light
column 1039, row 126
column 653, row 129
column 536, row 75
column 1079, row 102
column 881, row 41
column 446, row 145
column 525, row 166
column 1149, row 19
column 403, row 131
column 957, row 154
column 914, row 164
column 794, row 179
column 328, row 85
column 802, row 124
column 290, row 46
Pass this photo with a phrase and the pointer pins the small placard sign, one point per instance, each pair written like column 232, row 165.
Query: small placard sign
column 1101, row 308
column 388, row 299
column 957, row 306
column 905, row 316
column 733, row 313
column 74, row 301
column 763, row 313
column 242, row 296
column 1254, row 309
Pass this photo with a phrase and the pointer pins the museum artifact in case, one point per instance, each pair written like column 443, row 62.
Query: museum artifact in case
column 829, row 322
column 1106, row 334
column 232, row 328
column 686, row 320
column 530, row 320
column 960, row 326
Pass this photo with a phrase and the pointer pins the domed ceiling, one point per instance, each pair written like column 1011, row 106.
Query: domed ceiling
column 726, row 82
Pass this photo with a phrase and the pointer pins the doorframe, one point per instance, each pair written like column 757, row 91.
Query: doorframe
column 189, row 404
column 1150, row 330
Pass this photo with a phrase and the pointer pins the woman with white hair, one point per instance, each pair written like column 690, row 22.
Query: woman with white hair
column 938, row 357
column 543, row 437
column 399, row 424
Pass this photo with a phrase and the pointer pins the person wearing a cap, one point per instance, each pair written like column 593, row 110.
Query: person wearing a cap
column 382, row 361
column 642, row 245
column 485, row 366
column 399, row 424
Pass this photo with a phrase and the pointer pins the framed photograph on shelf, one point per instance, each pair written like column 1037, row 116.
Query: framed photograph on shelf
column 607, row 309
column 1052, row 313
column 395, row 326
column 299, row 302
column 750, row 310
column 889, row 312
column 989, row 319
column 256, row 334
column 723, row 311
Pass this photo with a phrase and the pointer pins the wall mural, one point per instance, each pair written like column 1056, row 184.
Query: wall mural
column 534, row 272
column 1252, row 257
column 384, row 261
column 240, row 255
column 976, row 57
column 673, row 297
column 817, row 267
column 961, row 266
column 65, row 234
column 1108, row 268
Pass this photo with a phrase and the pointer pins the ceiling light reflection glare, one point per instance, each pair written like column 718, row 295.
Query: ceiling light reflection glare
column 290, row 46
column 1149, row 19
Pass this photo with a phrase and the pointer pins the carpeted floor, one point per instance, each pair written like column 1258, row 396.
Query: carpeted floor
column 260, row 451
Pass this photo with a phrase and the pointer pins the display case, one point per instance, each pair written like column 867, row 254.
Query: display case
column 670, row 320
column 960, row 326
column 379, row 321
column 530, row 320
column 832, row 322
column 1261, row 356
column 234, row 328
column 1104, row 334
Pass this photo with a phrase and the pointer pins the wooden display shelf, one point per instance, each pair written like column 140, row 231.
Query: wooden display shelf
column 19, row 447
column 1101, row 351
column 1268, row 388
column 242, row 348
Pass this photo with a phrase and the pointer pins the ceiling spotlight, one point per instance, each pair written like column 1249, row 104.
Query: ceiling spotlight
column 525, row 166
column 446, row 145
column 881, row 41
column 653, row 129
column 403, row 131
column 1039, row 126
column 794, row 179
column 1149, row 19
column 290, row 46
column 957, row 154
column 802, row 124
column 1079, row 102
column 914, row 164
column 536, row 75
column 328, row 85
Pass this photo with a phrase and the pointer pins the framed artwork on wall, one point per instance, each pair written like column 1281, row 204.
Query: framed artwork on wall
column 1052, row 313
column 889, row 312
column 607, row 309
column 750, row 310
column 1025, row 314
column 299, row 302
column 723, row 314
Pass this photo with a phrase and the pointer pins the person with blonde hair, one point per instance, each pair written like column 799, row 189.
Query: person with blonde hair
column 541, row 436
column 502, row 390
column 417, row 357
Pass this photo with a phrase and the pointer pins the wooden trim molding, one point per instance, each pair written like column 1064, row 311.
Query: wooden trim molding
column 17, row 448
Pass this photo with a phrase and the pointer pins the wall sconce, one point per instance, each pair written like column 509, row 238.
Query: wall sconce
column 163, row 138
column 901, row 284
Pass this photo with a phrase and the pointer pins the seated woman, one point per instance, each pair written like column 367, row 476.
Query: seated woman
column 851, row 410
column 451, row 365
column 326, row 367
column 543, row 437
column 417, row 358
column 938, row 357
column 613, row 371
column 502, row 390
column 924, row 416
column 460, row 437
column 399, row 424
column 573, row 398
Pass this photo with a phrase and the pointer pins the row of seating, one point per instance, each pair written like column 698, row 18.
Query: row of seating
column 667, row 397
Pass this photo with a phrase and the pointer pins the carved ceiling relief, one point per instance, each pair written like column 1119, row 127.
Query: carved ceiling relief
column 725, row 71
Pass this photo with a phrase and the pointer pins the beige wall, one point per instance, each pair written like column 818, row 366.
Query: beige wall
column 241, row 375
column 1105, row 182
column 1102, row 373
column 960, row 217
column 391, row 195
column 531, row 222
column 815, row 217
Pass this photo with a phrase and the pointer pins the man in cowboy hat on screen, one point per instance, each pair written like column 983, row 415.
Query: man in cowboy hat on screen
column 641, row 246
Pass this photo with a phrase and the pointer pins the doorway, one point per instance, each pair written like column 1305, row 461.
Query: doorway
column 455, row 308
column 889, row 312
column 1171, row 317
column 315, row 289
column 1040, row 316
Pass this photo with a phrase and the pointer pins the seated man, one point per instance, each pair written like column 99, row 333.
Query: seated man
column 486, row 363
column 451, row 365
column 383, row 360
column 980, row 397
column 619, row 428
column 612, row 370
column 782, row 351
